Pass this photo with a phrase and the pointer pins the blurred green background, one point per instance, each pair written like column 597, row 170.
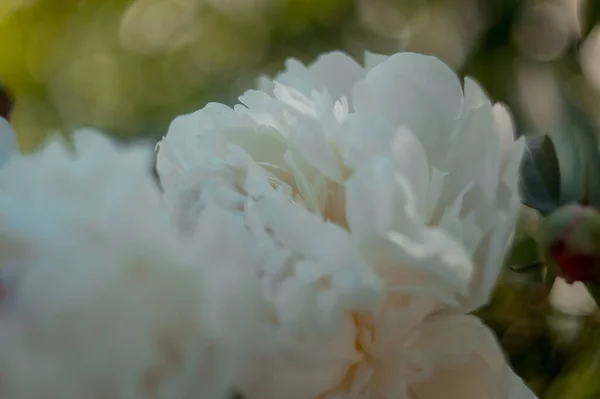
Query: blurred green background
column 130, row 66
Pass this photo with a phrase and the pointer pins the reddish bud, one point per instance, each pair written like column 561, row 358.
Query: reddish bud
column 574, row 267
column 572, row 234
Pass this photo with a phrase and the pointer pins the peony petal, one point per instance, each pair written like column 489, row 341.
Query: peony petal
column 440, row 255
column 410, row 160
column 494, row 246
column 571, row 299
column 475, row 365
column 401, row 88
column 506, row 131
column 387, row 232
column 334, row 72
column 476, row 144
column 373, row 59
column 363, row 137
column 475, row 97
column 392, row 209
column 306, row 370
column 263, row 109
column 488, row 258
column 181, row 150
column 314, row 147
column 263, row 145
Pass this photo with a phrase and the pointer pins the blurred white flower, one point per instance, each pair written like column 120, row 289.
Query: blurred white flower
column 100, row 296
column 421, row 181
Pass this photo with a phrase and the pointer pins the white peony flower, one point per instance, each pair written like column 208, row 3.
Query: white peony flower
column 420, row 177
column 101, row 297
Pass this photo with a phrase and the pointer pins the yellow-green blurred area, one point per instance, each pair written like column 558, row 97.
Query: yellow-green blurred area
column 130, row 66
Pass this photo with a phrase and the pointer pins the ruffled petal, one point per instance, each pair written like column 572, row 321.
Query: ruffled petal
column 405, row 86
column 334, row 72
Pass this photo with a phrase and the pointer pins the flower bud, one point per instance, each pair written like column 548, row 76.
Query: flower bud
column 572, row 235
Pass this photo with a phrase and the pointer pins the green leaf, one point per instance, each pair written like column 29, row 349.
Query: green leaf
column 584, row 134
column 592, row 169
column 532, row 187
column 594, row 290
column 524, row 255
column 526, row 268
column 591, row 16
column 546, row 162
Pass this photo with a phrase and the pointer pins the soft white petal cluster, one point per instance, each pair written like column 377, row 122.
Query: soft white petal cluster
column 382, row 200
column 100, row 296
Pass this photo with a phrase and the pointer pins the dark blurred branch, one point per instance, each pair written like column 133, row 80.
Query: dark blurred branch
column 5, row 103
